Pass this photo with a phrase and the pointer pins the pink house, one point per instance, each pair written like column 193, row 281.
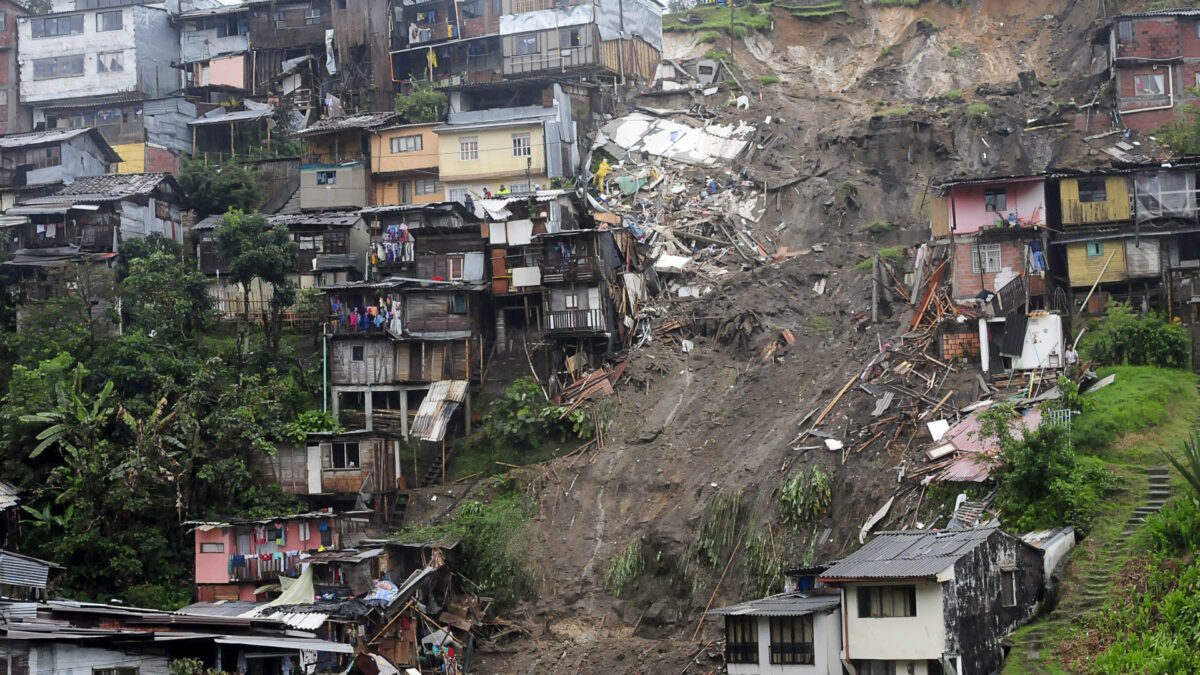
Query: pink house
column 980, row 204
column 236, row 557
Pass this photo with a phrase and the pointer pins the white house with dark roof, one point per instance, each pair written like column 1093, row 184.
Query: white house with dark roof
column 921, row 602
column 787, row 634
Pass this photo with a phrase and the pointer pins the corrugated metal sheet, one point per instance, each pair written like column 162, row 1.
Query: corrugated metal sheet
column 1142, row 257
column 292, row 644
column 18, row 610
column 19, row 570
column 301, row 620
column 439, row 405
column 10, row 495
column 784, row 604
column 909, row 554
column 974, row 467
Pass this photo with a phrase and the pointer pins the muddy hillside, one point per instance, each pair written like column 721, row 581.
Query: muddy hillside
column 857, row 115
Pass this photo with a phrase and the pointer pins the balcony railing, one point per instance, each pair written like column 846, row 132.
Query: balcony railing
column 254, row 568
column 333, row 157
column 576, row 320
column 573, row 268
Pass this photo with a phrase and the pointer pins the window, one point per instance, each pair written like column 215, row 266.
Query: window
column 876, row 602
column 1095, row 248
column 521, row 145
column 876, row 667
column 792, row 640
column 985, row 259
column 326, row 178
column 279, row 19
column 312, row 17
column 457, row 195
column 106, row 21
column 162, row 210
column 404, row 191
column 357, row 353
column 1124, row 30
column 454, row 267
column 3, row 97
column 1150, row 84
column 570, row 37
column 458, row 303
column 60, row 66
column 527, row 45
column 1008, row 588
column 124, row 670
column 468, row 148
column 496, row 8
column 3, row 20
column 216, row 547
column 344, row 455
column 472, row 9
column 42, row 158
column 51, row 26
column 995, row 200
column 110, row 62
column 741, row 639
column 427, row 186
column 1092, row 190
column 327, row 536
column 408, row 143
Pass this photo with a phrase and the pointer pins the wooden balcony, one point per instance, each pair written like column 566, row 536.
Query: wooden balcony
column 576, row 321
column 574, row 268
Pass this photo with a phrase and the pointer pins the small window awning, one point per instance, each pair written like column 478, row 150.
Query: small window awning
column 292, row 644
column 439, row 405
column 38, row 210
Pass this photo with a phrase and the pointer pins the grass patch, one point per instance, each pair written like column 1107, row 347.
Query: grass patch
column 768, row 79
column 892, row 252
column 708, row 37
column 955, row 52
column 717, row 55
column 897, row 111
column 926, row 24
column 979, row 112
column 819, row 11
column 715, row 18
column 820, row 324
column 953, row 94
column 878, row 227
column 628, row 564
column 896, row 3
column 1141, row 397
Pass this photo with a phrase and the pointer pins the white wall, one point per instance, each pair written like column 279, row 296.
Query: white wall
column 91, row 83
column 897, row 638
column 67, row 659
column 827, row 643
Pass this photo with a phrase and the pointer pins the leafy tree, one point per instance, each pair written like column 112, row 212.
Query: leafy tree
column 424, row 104
column 1125, row 338
column 217, row 188
column 1182, row 136
column 256, row 250
column 165, row 296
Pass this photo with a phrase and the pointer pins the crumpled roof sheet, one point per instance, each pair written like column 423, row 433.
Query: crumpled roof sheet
column 796, row 603
column 909, row 554
column 106, row 188
column 10, row 495
column 300, row 620
column 707, row 146
column 345, row 123
column 976, row 462
column 439, row 405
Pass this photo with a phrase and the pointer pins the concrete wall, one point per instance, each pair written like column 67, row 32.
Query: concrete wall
column 213, row 568
column 827, row 644
column 495, row 161
column 915, row 638
column 14, row 117
column 202, row 45
column 383, row 160
column 350, row 190
column 968, row 212
column 62, row 658
column 157, row 49
column 968, row 284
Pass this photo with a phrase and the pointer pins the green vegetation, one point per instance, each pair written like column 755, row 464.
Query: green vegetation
column 846, row 195
column 955, row 52
column 763, row 565
column 1125, row 337
column 805, row 496
column 953, row 94
column 717, row 55
column 885, row 51
column 628, row 564
column 423, row 104
column 978, row 113
column 716, row 18
column 926, row 24
column 819, row 11
column 768, row 79
column 820, row 324
column 898, row 111
column 217, row 188
column 494, row 541
column 521, row 427
column 1040, row 481
column 708, row 37
column 1189, row 468
column 1139, row 399
column 878, row 227
column 896, row 3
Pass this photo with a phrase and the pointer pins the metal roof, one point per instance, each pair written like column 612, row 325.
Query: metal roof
column 350, row 556
column 293, row 644
column 439, row 405
column 347, row 123
column 21, row 570
column 229, row 608
column 232, row 117
column 209, row 222
column 319, row 218
column 10, row 495
column 785, row 604
column 300, row 620
column 1158, row 13
column 106, row 188
column 52, row 136
column 909, row 554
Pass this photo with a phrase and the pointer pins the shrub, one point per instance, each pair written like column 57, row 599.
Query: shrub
column 955, row 52
column 628, row 564
column 954, row 94
column 523, row 417
column 424, row 104
column 978, row 113
column 768, row 79
column 1125, row 337
column 1174, row 530
column 805, row 496
column 1190, row 466
column 708, row 37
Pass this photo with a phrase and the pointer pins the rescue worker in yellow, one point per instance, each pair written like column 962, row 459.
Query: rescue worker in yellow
column 602, row 173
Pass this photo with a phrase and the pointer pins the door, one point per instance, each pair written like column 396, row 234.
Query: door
column 313, row 462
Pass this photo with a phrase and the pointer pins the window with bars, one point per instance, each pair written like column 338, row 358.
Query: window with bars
column 408, row 143
column 880, row 602
column 792, row 640
column 468, row 148
column 1124, row 30
column 985, row 259
column 522, row 145
column 312, row 17
column 427, row 186
column 741, row 639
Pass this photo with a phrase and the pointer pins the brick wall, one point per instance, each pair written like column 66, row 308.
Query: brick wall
column 967, row 284
column 960, row 341
column 161, row 159
column 1153, row 38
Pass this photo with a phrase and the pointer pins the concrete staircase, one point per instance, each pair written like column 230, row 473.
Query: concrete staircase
column 1090, row 592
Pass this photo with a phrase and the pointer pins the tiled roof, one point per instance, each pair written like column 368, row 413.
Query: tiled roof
column 909, row 554
column 106, row 188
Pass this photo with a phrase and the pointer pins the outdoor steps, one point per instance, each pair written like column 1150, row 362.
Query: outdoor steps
column 402, row 499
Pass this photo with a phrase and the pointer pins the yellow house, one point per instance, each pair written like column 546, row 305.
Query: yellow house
column 1094, row 199
column 492, row 156
column 404, row 165
column 133, row 157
